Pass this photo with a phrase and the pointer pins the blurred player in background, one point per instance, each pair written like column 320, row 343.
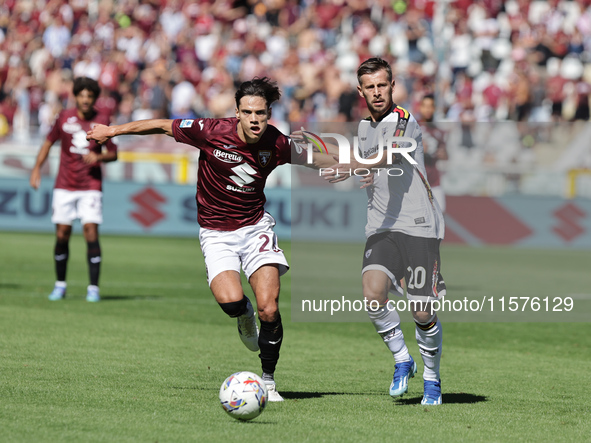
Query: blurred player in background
column 237, row 155
column 434, row 146
column 77, row 192
column 404, row 229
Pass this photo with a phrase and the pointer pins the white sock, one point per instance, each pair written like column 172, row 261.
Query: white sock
column 60, row 284
column 386, row 322
column 394, row 339
column 430, row 344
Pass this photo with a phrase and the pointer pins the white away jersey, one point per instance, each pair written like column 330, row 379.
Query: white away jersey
column 398, row 201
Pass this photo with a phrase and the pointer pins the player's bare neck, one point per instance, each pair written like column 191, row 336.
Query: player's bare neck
column 87, row 116
column 241, row 135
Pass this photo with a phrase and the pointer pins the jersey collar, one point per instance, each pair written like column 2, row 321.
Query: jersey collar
column 388, row 112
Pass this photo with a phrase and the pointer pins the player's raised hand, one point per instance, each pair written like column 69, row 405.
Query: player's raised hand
column 298, row 137
column 337, row 173
column 99, row 133
column 367, row 181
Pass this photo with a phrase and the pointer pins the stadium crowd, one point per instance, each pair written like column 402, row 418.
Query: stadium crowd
column 485, row 60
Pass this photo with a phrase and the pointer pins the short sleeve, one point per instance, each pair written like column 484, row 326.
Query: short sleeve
column 417, row 134
column 291, row 152
column 191, row 131
column 55, row 132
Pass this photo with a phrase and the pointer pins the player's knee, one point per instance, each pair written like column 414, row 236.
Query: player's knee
column 371, row 295
column 64, row 238
column 373, row 291
column 90, row 232
column 236, row 308
column 268, row 312
column 424, row 317
column 63, row 235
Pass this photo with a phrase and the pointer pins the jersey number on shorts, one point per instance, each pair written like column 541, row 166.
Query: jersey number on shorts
column 417, row 277
column 269, row 244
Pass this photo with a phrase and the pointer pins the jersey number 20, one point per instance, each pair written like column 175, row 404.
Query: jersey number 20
column 417, row 277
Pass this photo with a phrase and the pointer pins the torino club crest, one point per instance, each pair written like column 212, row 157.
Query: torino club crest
column 264, row 158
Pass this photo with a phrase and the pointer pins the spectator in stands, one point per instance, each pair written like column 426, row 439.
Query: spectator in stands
column 309, row 47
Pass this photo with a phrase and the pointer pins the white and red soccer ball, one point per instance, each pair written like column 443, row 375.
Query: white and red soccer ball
column 244, row 395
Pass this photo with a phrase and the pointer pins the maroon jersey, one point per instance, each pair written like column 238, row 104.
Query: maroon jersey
column 433, row 141
column 74, row 174
column 232, row 173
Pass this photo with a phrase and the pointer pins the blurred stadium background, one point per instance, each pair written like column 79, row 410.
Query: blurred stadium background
column 511, row 80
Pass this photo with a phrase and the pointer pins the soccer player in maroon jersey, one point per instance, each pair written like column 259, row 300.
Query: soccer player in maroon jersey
column 435, row 147
column 237, row 155
column 78, row 187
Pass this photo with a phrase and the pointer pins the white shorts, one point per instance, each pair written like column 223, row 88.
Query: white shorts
column 252, row 246
column 70, row 205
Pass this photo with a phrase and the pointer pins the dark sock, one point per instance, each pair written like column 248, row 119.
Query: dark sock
column 60, row 254
column 268, row 377
column 270, row 339
column 94, row 261
column 235, row 308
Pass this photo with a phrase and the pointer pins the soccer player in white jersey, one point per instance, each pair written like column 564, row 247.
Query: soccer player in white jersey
column 236, row 157
column 404, row 229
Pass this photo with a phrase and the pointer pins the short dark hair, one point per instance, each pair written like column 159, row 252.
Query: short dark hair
column 259, row 87
column 82, row 83
column 428, row 97
column 373, row 65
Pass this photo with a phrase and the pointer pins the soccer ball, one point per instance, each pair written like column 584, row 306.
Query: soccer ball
column 243, row 395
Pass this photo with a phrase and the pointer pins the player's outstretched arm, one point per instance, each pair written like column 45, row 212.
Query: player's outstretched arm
column 302, row 139
column 320, row 160
column 35, row 179
column 102, row 133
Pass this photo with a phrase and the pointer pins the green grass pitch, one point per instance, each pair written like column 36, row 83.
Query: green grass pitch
column 146, row 363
